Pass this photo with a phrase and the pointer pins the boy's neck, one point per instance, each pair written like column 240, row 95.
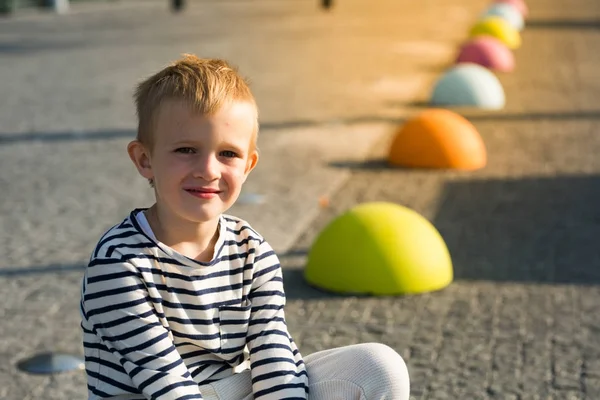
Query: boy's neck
column 193, row 240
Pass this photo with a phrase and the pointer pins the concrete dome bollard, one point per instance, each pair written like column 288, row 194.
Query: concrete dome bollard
column 438, row 138
column 469, row 84
column 499, row 28
column 379, row 248
column 507, row 11
column 488, row 52
column 519, row 5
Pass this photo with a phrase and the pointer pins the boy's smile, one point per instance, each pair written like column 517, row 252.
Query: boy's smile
column 202, row 192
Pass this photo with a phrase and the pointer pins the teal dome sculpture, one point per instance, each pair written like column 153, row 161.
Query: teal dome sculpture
column 507, row 11
column 471, row 85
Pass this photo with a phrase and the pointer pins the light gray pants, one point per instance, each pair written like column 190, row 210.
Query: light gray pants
column 369, row 371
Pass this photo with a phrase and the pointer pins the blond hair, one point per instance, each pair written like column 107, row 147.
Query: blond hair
column 206, row 84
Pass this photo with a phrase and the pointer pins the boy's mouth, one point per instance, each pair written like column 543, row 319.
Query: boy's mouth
column 203, row 193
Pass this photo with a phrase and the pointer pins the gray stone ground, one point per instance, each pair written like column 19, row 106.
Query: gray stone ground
column 519, row 322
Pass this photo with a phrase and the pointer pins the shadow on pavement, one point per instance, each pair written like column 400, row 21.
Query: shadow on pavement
column 532, row 116
column 40, row 270
column 474, row 114
column 296, row 288
column 374, row 164
column 563, row 24
column 73, row 136
column 541, row 230
column 25, row 47
column 14, row 138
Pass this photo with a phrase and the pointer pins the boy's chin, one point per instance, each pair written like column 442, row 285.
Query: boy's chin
column 206, row 215
column 200, row 213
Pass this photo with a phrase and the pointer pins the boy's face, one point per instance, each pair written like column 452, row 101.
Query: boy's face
column 199, row 163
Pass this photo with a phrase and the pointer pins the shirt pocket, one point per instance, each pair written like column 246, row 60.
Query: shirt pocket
column 233, row 328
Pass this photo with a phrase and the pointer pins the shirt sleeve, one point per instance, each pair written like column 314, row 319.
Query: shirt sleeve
column 277, row 368
column 116, row 302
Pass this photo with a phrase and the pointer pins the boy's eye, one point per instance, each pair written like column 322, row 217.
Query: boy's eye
column 185, row 150
column 229, row 154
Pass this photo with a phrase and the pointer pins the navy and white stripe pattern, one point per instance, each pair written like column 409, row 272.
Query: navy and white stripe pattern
column 157, row 324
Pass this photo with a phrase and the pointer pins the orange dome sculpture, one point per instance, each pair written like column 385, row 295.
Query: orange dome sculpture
column 438, row 138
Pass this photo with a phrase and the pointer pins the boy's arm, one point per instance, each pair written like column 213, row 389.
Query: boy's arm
column 116, row 302
column 277, row 369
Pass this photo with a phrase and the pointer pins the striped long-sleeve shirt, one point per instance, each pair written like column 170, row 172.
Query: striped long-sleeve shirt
column 157, row 324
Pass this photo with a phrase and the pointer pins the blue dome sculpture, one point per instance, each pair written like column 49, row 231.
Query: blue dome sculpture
column 507, row 11
column 470, row 85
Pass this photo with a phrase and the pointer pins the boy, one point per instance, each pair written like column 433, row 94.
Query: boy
column 178, row 296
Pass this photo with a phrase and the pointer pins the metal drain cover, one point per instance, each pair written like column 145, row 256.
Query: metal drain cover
column 51, row 363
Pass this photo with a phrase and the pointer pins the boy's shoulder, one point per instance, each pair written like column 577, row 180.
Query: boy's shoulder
column 240, row 228
column 125, row 232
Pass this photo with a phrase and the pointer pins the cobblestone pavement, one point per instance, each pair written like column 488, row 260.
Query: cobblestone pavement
column 518, row 322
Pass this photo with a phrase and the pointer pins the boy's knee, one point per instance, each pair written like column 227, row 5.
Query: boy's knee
column 378, row 356
column 385, row 366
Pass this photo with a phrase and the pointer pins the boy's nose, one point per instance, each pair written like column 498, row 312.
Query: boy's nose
column 207, row 168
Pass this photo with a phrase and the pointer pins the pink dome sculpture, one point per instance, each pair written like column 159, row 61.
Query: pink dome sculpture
column 488, row 52
column 519, row 5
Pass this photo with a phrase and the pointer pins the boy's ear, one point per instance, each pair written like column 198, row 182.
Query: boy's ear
column 141, row 158
column 252, row 161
